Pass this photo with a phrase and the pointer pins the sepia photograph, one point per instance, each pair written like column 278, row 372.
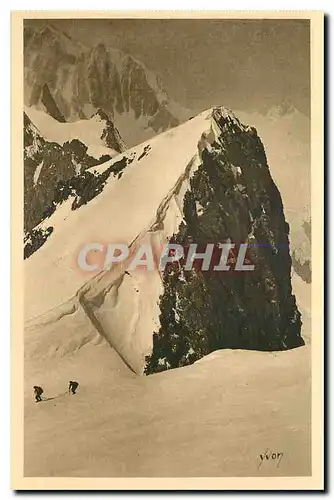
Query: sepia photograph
column 167, row 183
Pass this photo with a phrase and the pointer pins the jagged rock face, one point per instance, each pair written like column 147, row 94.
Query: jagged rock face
column 46, row 164
column 212, row 186
column 88, row 79
column 48, row 103
column 300, row 255
column 286, row 136
column 110, row 134
column 81, row 189
column 232, row 198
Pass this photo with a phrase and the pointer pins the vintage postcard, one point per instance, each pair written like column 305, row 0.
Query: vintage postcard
column 167, row 250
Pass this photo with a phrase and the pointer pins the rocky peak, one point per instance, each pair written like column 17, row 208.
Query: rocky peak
column 213, row 186
column 231, row 198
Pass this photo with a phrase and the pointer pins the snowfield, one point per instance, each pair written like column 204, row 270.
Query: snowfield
column 213, row 418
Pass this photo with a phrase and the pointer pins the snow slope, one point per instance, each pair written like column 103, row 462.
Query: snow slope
column 213, row 418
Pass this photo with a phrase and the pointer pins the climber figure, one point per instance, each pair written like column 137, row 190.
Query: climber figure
column 38, row 391
column 72, row 386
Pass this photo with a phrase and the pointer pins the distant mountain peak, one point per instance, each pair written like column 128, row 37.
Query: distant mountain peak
column 102, row 114
column 89, row 79
column 50, row 39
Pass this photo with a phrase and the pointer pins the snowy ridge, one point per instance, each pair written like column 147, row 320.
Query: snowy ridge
column 159, row 214
column 92, row 78
column 89, row 132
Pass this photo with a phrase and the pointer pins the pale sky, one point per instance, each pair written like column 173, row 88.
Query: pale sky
column 242, row 64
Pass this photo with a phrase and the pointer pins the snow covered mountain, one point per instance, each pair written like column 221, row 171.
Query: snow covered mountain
column 207, row 179
column 54, row 153
column 91, row 78
column 98, row 133
column 286, row 136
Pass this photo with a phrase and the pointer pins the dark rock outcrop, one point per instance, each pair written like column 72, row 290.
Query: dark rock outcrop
column 301, row 260
column 232, row 198
column 110, row 134
column 88, row 79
